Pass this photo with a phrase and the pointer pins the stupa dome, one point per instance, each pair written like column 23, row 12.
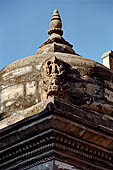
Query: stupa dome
column 27, row 85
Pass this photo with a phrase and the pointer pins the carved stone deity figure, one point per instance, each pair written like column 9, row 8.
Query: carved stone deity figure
column 53, row 78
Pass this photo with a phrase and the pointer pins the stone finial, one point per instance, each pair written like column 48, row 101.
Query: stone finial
column 55, row 24
column 55, row 42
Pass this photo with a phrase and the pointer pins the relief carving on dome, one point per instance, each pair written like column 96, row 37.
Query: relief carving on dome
column 53, row 78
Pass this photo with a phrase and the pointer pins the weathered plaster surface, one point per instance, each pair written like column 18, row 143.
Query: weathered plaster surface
column 64, row 166
column 86, row 83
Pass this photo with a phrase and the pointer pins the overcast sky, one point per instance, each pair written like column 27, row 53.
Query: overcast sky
column 87, row 25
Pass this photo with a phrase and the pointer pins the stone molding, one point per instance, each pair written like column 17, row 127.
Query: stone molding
column 39, row 138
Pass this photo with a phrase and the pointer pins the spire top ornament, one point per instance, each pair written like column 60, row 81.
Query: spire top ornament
column 55, row 24
column 55, row 42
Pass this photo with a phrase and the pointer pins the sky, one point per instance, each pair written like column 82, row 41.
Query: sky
column 24, row 25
